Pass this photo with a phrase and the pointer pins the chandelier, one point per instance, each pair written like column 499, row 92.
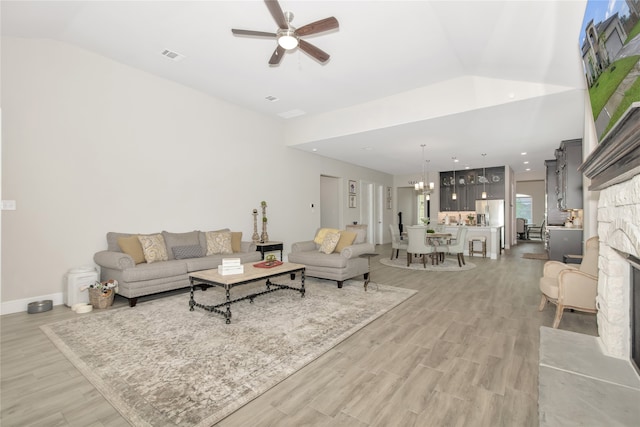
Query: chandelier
column 422, row 186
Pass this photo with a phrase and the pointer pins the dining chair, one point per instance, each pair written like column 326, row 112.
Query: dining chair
column 418, row 244
column 458, row 247
column 396, row 242
column 521, row 228
column 536, row 231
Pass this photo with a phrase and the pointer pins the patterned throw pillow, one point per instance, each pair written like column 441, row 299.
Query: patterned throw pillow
column 219, row 242
column 323, row 232
column 187, row 251
column 153, row 247
column 329, row 243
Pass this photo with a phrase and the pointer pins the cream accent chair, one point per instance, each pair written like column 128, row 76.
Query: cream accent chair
column 418, row 245
column 396, row 242
column 569, row 286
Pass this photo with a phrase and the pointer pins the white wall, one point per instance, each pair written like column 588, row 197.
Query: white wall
column 90, row 146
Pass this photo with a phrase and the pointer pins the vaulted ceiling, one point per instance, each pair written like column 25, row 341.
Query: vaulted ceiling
column 462, row 77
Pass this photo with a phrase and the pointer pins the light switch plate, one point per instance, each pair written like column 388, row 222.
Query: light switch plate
column 8, row 205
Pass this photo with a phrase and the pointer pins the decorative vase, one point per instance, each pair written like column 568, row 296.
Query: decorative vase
column 255, row 237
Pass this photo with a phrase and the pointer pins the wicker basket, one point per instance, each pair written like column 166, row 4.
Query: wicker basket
column 98, row 299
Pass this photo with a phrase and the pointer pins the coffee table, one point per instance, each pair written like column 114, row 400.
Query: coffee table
column 251, row 274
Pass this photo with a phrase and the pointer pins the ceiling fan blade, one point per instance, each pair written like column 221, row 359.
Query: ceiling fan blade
column 276, row 12
column 318, row 26
column 252, row 33
column 312, row 50
column 277, row 56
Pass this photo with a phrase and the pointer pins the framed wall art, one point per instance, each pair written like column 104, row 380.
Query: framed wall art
column 352, row 187
column 352, row 200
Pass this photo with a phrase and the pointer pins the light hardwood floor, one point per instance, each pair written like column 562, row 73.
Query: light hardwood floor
column 462, row 352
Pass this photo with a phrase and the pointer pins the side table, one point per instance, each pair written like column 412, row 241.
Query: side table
column 368, row 279
column 268, row 247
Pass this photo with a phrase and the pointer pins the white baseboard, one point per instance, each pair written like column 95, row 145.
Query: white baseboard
column 16, row 306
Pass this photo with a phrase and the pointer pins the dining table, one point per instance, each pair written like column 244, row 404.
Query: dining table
column 438, row 239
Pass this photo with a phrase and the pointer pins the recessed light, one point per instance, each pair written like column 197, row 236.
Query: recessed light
column 367, row 148
column 524, row 153
column 314, row 149
column 526, row 163
column 174, row 56
column 528, row 169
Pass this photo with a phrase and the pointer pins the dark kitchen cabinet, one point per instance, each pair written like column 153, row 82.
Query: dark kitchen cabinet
column 568, row 178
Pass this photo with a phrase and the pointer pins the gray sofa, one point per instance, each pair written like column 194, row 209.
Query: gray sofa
column 339, row 266
column 136, row 280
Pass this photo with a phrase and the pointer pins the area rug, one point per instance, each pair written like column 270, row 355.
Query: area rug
column 161, row 364
column 531, row 255
column 446, row 265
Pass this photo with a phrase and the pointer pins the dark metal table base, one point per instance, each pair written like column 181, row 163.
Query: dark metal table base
column 271, row 287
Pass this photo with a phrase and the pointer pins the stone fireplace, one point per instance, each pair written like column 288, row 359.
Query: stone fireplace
column 614, row 169
column 619, row 231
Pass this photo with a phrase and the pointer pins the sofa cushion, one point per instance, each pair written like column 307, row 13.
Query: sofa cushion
column 156, row 270
column 112, row 240
column 361, row 233
column 180, row 239
column 322, row 232
column 236, row 241
column 346, row 239
column 153, row 247
column 132, row 247
column 219, row 242
column 187, row 251
column 329, row 243
column 319, row 259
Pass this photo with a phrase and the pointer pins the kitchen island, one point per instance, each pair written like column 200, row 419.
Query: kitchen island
column 493, row 234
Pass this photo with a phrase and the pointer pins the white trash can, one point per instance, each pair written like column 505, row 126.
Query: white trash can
column 76, row 279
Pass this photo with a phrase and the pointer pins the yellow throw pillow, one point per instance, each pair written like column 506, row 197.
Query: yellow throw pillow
column 346, row 239
column 132, row 247
column 218, row 242
column 153, row 247
column 322, row 232
column 236, row 240
column 329, row 243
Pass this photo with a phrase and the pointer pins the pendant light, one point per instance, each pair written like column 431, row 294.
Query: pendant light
column 422, row 185
column 484, row 177
column 454, row 196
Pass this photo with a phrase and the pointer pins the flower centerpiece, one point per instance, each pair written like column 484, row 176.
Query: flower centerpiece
column 101, row 294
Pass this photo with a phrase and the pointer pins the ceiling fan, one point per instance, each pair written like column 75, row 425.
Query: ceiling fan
column 288, row 37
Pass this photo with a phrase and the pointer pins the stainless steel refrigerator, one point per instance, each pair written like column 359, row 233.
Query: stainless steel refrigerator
column 492, row 211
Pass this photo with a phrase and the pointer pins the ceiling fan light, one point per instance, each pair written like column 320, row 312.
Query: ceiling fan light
column 288, row 40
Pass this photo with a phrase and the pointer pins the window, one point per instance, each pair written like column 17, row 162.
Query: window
column 424, row 209
column 523, row 207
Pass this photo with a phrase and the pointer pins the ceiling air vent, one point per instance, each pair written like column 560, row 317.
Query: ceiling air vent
column 174, row 56
column 271, row 98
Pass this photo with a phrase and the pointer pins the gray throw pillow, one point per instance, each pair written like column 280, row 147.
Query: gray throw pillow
column 189, row 251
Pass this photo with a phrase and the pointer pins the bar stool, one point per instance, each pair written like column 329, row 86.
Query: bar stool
column 483, row 244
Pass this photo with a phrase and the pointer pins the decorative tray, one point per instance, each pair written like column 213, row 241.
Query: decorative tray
column 268, row 264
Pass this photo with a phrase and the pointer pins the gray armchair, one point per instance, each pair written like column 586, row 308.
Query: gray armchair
column 341, row 265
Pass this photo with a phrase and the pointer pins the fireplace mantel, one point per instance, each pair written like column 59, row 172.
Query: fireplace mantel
column 617, row 158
